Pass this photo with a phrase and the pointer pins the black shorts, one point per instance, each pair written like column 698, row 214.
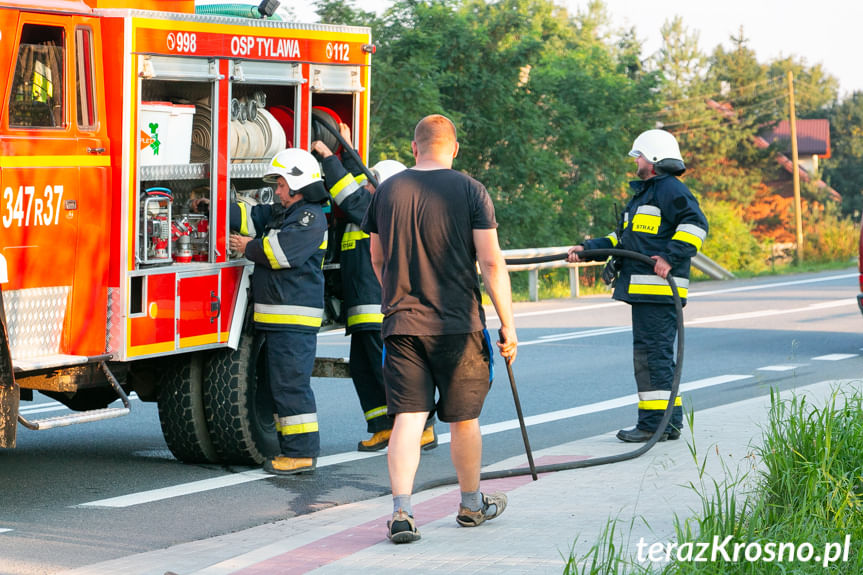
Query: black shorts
column 457, row 365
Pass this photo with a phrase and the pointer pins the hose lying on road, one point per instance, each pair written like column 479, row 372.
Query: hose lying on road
column 603, row 460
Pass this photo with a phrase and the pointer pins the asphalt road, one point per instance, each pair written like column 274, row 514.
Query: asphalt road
column 82, row 494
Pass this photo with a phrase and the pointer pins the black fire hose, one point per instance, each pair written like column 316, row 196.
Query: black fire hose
column 593, row 461
column 334, row 130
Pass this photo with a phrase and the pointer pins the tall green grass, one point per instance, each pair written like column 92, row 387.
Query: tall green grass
column 807, row 488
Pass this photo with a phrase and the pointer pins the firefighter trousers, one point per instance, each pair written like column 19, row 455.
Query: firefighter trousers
column 367, row 374
column 290, row 361
column 654, row 329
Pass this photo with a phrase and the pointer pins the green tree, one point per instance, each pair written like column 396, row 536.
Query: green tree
column 844, row 169
column 815, row 91
column 343, row 12
column 749, row 102
column 707, row 105
column 682, row 63
column 544, row 108
column 547, row 104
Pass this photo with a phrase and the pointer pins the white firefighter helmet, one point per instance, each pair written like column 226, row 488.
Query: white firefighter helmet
column 297, row 166
column 660, row 148
column 387, row 168
column 301, row 171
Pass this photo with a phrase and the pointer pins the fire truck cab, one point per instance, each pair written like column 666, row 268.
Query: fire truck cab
column 118, row 118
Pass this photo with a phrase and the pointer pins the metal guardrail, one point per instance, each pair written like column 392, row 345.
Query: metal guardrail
column 533, row 269
column 711, row 268
column 700, row 261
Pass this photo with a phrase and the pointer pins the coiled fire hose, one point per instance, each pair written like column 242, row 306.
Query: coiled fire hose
column 597, row 254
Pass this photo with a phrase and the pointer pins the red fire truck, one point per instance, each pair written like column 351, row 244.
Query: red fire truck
column 117, row 116
column 860, row 267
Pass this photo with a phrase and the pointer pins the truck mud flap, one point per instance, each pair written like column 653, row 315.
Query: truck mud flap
column 9, row 392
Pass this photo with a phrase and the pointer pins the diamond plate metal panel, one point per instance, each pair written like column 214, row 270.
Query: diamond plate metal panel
column 114, row 329
column 175, row 172
column 35, row 319
column 253, row 170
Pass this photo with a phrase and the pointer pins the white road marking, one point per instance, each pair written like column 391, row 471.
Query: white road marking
column 771, row 312
column 42, row 408
column 772, row 285
column 4, row 530
column 178, row 490
column 566, row 309
column 213, row 483
column 594, row 407
column 692, row 294
column 699, row 321
column 247, row 476
column 835, row 356
column 576, row 335
column 329, row 332
column 787, row 367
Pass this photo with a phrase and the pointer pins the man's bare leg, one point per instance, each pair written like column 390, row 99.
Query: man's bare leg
column 466, row 452
column 403, row 456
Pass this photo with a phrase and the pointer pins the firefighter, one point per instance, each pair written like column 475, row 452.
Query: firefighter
column 43, row 85
column 287, row 242
column 351, row 191
column 664, row 221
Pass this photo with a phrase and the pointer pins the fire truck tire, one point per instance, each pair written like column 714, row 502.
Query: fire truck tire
column 239, row 404
column 181, row 410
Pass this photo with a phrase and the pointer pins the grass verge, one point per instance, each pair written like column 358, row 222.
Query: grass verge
column 801, row 512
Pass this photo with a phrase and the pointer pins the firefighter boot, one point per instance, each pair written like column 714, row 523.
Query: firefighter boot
column 282, row 465
column 429, row 438
column 636, row 435
column 382, row 438
column 376, row 442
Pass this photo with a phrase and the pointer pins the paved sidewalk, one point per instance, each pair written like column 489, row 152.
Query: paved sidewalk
column 543, row 521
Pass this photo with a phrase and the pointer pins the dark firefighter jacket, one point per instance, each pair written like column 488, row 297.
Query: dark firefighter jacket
column 288, row 251
column 662, row 218
column 361, row 289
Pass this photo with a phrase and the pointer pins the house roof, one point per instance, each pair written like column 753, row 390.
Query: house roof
column 821, row 127
column 788, row 165
column 813, row 137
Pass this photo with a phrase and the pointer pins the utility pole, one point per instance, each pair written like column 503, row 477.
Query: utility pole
column 798, row 217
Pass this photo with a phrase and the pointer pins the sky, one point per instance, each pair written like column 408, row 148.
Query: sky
column 822, row 31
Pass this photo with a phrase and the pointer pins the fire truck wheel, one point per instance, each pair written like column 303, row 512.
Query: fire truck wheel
column 239, row 404
column 181, row 410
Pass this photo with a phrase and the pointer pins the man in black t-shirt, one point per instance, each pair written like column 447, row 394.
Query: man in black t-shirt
column 362, row 290
column 429, row 225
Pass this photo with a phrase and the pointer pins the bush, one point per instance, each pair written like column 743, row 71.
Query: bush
column 829, row 237
column 730, row 242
